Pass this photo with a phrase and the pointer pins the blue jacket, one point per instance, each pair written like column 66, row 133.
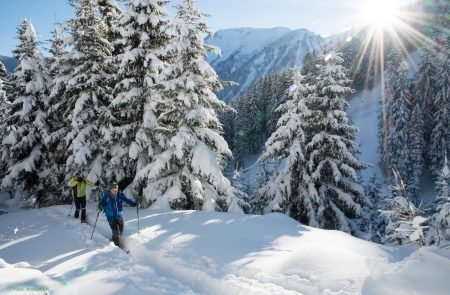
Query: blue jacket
column 113, row 205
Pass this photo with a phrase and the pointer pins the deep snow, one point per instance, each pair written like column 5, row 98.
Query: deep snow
column 191, row 252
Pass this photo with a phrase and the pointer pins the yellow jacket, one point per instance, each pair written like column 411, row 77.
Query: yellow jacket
column 80, row 185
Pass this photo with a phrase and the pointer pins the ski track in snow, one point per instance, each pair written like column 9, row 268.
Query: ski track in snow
column 189, row 252
column 98, row 256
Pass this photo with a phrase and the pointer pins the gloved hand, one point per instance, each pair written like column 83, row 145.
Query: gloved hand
column 99, row 209
column 137, row 205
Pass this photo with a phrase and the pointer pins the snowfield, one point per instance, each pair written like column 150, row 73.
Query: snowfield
column 191, row 252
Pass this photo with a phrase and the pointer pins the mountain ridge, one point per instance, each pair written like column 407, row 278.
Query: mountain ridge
column 250, row 53
column 9, row 62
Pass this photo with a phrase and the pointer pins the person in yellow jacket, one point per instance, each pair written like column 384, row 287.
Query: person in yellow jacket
column 78, row 182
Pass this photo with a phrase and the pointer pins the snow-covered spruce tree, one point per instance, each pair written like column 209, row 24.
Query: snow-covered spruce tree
column 56, row 46
column 4, row 77
column 310, row 67
column 285, row 189
column 128, row 138
column 187, row 172
column 376, row 222
column 4, row 105
column 425, row 85
column 56, row 148
column 27, row 121
column 394, row 114
column 358, row 58
column 440, row 135
column 399, row 135
column 227, row 118
column 80, row 94
column 280, row 88
column 440, row 230
column 416, row 150
column 243, row 128
column 334, row 196
column 405, row 225
column 111, row 14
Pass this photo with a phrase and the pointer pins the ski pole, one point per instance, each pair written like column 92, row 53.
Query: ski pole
column 73, row 201
column 95, row 224
column 137, row 212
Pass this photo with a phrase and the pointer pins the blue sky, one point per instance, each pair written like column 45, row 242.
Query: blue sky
column 324, row 17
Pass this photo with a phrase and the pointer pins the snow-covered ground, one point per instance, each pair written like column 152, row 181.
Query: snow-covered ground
column 190, row 252
column 363, row 111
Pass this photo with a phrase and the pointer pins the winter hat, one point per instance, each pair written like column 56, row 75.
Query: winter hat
column 113, row 185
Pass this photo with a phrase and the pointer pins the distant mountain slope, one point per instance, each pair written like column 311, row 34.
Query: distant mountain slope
column 9, row 62
column 249, row 53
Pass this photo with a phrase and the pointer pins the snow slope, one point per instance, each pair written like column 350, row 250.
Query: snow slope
column 190, row 252
column 363, row 111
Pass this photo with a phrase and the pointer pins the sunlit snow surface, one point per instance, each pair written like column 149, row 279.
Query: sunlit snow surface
column 190, row 252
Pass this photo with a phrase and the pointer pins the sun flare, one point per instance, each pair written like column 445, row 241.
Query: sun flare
column 381, row 14
column 381, row 23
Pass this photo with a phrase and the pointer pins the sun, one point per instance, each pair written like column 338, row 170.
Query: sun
column 379, row 24
column 382, row 14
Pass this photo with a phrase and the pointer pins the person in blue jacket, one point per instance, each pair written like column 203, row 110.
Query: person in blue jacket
column 111, row 202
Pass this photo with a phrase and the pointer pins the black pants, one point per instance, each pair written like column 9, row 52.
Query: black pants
column 117, row 230
column 80, row 203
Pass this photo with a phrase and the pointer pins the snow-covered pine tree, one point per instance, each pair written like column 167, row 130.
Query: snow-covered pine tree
column 227, row 118
column 80, row 94
column 440, row 134
column 4, row 105
column 243, row 128
column 334, row 195
column 56, row 44
column 280, row 88
column 310, row 67
column 416, row 151
column 425, row 84
column 56, row 153
column 405, row 225
column 285, row 191
column 111, row 14
column 359, row 59
column 376, row 223
column 256, row 116
column 394, row 112
column 187, row 173
column 440, row 230
column 3, row 76
column 398, row 137
column 128, row 138
column 3, row 81
column 27, row 121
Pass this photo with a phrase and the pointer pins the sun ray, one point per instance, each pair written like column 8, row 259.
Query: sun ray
column 385, row 23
